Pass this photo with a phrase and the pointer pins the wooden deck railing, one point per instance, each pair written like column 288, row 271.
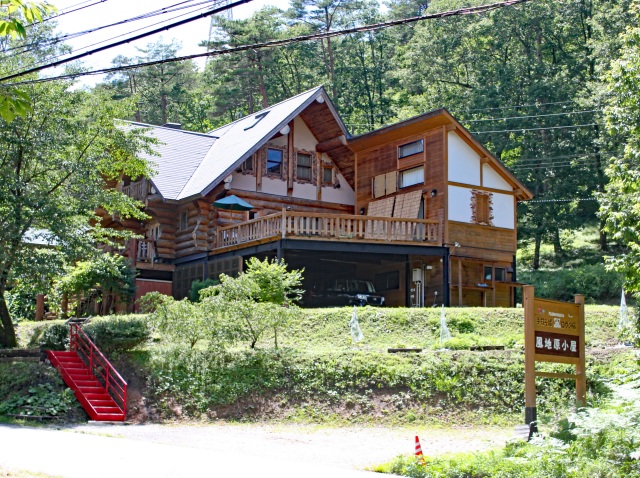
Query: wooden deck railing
column 348, row 228
column 138, row 190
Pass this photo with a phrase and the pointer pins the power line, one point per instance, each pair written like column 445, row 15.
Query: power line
column 535, row 129
column 537, row 105
column 271, row 44
column 128, row 40
column 565, row 156
column 54, row 17
column 530, row 116
column 70, row 36
column 561, row 200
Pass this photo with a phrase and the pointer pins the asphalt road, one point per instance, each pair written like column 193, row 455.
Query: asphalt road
column 82, row 455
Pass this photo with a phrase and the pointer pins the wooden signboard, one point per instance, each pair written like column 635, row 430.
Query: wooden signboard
column 553, row 332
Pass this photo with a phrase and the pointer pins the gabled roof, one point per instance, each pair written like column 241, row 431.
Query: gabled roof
column 179, row 155
column 190, row 165
column 430, row 120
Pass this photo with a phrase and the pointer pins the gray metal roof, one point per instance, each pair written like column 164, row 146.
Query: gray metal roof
column 179, row 155
column 190, row 164
column 241, row 139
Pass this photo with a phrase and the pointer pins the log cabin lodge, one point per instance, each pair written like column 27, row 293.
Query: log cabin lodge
column 419, row 208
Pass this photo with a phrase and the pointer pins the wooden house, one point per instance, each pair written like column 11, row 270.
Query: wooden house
column 419, row 208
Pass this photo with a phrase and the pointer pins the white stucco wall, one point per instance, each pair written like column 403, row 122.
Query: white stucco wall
column 302, row 136
column 464, row 162
column 491, row 179
column 459, row 204
column 244, row 182
column 503, row 210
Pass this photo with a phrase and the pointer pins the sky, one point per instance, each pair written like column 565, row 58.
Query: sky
column 110, row 11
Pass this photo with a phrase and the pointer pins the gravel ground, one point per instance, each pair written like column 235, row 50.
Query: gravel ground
column 352, row 447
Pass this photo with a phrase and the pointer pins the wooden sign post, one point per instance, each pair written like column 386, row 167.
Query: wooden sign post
column 553, row 332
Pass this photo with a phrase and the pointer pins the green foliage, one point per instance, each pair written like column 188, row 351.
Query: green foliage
column 259, row 300
column 595, row 442
column 108, row 273
column 198, row 285
column 52, row 335
column 118, row 333
column 35, row 389
column 620, row 206
column 594, row 281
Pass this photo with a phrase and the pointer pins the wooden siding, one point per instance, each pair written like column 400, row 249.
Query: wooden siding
column 491, row 243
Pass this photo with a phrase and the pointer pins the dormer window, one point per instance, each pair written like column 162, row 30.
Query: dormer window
column 410, row 149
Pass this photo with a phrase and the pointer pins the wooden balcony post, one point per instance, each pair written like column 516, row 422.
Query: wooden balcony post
column 284, row 223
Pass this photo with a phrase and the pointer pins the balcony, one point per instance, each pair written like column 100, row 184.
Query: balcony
column 138, row 190
column 346, row 228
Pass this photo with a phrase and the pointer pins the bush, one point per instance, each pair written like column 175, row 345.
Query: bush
column 118, row 332
column 198, row 285
column 50, row 336
column 594, row 281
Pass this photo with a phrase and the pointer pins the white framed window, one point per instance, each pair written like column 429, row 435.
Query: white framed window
column 410, row 149
column 327, row 175
column 411, row 177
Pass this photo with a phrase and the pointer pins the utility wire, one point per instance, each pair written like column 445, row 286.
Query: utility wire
column 530, row 116
column 271, row 44
column 560, row 200
column 54, row 17
column 537, row 105
column 130, row 39
column 536, row 129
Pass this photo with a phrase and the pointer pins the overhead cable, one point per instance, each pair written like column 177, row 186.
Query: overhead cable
column 130, row 39
column 530, row 116
column 270, row 44
column 537, row 129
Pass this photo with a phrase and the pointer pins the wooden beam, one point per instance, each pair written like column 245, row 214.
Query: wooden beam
column 291, row 160
column 459, row 282
column 333, row 143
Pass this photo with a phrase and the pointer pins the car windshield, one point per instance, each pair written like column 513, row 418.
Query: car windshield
column 361, row 287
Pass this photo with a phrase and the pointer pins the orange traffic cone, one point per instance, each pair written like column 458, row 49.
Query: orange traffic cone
column 418, row 452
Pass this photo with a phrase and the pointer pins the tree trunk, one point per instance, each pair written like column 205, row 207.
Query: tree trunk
column 557, row 247
column 7, row 332
column 536, row 252
column 604, row 245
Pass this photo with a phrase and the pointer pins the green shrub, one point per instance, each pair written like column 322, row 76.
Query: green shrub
column 594, row 281
column 52, row 335
column 118, row 332
column 198, row 285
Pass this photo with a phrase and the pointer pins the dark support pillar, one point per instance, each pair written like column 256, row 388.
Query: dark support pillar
column 279, row 253
column 514, row 279
column 445, row 279
column 407, row 268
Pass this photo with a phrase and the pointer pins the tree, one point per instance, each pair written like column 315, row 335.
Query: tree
column 258, row 300
column 619, row 204
column 59, row 164
column 109, row 275
column 13, row 101
column 160, row 89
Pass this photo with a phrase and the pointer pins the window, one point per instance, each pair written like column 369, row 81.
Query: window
column 410, row 149
column 481, row 208
column 385, row 184
column 327, row 175
column 248, row 164
column 411, row 177
column 388, row 281
column 184, row 220
column 303, row 167
column 499, row 271
column 274, row 161
column 155, row 232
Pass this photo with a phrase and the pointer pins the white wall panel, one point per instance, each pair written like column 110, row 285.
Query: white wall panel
column 244, row 182
column 464, row 162
column 491, row 179
column 302, row 136
column 503, row 210
column 459, row 204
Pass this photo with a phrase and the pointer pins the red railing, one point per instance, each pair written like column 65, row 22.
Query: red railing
column 101, row 368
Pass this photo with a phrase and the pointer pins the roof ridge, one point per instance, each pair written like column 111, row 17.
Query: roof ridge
column 185, row 131
column 267, row 108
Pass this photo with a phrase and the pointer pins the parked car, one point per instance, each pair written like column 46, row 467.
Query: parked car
column 340, row 292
